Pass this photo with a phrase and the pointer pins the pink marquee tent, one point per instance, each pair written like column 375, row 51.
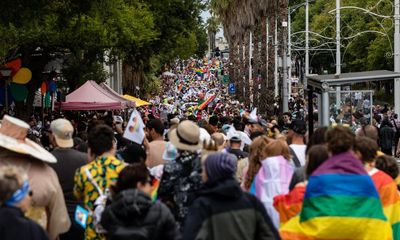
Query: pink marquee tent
column 90, row 96
column 111, row 91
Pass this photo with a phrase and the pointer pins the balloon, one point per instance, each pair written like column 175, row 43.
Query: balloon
column 52, row 86
column 43, row 88
column 19, row 92
column 14, row 65
column 47, row 100
column 23, row 76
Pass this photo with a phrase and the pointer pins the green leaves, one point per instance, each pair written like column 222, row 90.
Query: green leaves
column 361, row 50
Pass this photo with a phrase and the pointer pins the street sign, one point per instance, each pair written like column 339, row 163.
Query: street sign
column 232, row 88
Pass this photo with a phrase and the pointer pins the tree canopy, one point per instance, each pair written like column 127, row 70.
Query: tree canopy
column 367, row 40
column 87, row 33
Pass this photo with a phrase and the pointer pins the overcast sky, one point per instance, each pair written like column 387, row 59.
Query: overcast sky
column 205, row 15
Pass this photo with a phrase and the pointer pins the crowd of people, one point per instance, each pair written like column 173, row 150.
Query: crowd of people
column 214, row 169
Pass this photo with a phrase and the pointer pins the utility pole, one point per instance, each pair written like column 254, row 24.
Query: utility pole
column 276, row 75
column 250, row 65
column 307, row 63
column 289, row 58
column 397, row 54
column 285, row 97
column 338, row 52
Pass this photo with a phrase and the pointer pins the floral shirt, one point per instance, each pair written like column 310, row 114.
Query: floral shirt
column 104, row 172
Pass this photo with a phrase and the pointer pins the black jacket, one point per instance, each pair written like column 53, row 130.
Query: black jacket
column 224, row 212
column 386, row 135
column 238, row 153
column 132, row 215
column 14, row 225
column 68, row 160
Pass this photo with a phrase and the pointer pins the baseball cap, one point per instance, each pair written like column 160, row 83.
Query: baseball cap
column 298, row 126
column 235, row 137
column 62, row 131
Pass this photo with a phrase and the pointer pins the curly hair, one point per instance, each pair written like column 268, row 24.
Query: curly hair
column 257, row 154
column 340, row 139
column 11, row 179
column 367, row 147
column 388, row 165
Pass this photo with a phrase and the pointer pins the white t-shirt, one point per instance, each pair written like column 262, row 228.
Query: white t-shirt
column 300, row 151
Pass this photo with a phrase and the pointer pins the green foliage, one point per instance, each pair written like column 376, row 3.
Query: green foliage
column 202, row 41
column 83, row 31
column 365, row 51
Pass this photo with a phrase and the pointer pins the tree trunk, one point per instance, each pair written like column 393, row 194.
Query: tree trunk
column 133, row 76
column 263, row 66
column 231, row 67
column 256, row 65
column 236, row 59
column 271, row 67
column 240, row 86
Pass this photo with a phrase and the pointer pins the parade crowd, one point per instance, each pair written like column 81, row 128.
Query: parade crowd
column 209, row 167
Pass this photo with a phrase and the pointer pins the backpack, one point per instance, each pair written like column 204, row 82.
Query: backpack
column 99, row 204
column 138, row 231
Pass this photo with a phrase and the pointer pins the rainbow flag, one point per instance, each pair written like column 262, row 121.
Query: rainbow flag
column 289, row 205
column 200, row 72
column 205, row 103
column 387, row 189
column 341, row 202
column 154, row 192
column 272, row 179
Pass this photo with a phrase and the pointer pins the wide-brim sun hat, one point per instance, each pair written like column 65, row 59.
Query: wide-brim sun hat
column 186, row 136
column 13, row 134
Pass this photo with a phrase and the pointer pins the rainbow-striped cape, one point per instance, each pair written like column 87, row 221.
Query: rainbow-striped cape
column 289, row 205
column 387, row 189
column 341, row 202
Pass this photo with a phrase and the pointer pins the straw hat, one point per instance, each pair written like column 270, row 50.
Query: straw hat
column 186, row 136
column 13, row 134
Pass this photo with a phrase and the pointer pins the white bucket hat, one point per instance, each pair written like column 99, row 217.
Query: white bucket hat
column 13, row 134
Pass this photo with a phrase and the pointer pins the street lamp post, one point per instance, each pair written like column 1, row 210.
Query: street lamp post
column 307, row 63
column 397, row 54
column 289, row 58
column 285, row 97
column 338, row 52
column 276, row 73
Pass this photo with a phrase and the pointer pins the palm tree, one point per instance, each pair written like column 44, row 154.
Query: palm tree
column 238, row 17
column 256, row 64
column 212, row 29
column 269, row 87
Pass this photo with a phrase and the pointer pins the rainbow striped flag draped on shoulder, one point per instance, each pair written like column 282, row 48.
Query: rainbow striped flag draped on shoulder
column 341, row 202
column 387, row 189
